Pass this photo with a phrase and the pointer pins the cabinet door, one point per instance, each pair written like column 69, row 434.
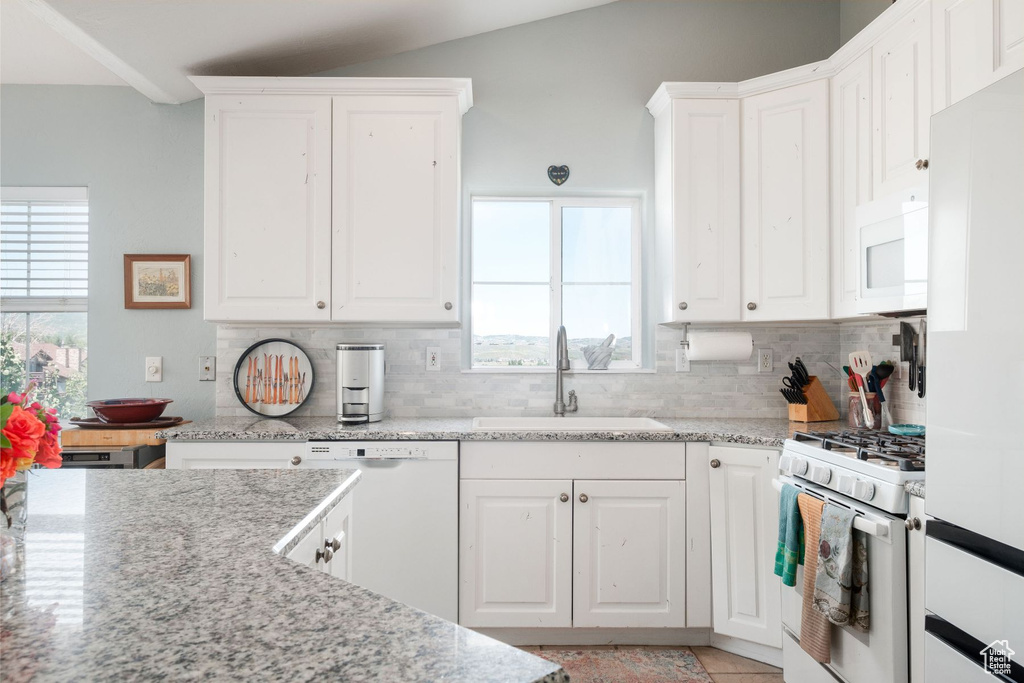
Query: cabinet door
column 974, row 43
column 851, row 178
column 337, row 537
column 785, row 204
column 268, row 208
column 915, row 581
column 396, row 209
column 706, row 210
column 746, row 594
column 902, row 103
column 515, row 553
column 629, row 553
column 305, row 552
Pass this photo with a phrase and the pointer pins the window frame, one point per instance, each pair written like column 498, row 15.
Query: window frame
column 555, row 283
column 39, row 304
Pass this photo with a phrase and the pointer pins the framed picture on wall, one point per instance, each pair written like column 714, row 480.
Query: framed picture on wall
column 157, row 281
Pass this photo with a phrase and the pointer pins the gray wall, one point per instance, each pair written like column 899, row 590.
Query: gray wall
column 566, row 90
column 143, row 165
column 856, row 14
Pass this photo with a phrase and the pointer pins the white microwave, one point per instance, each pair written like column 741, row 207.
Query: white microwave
column 894, row 253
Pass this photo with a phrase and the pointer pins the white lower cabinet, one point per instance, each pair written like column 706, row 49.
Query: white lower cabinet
column 234, row 455
column 572, row 535
column 325, row 547
column 515, row 550
column 915, row 587
column 629, row 554
column 746, row 594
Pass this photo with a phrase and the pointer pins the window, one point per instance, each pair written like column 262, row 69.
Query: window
column 44, row 287
column 541, row 263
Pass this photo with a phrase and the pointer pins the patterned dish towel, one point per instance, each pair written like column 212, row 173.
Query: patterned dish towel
column 790, row 552
column 841, row 582
column 815, row 630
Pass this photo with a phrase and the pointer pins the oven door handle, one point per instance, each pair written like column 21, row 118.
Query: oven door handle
column 859, row 522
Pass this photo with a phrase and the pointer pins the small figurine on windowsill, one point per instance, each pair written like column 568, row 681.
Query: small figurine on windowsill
column 598, row 357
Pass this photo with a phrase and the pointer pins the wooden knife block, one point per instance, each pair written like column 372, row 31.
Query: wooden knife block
column 819, row 406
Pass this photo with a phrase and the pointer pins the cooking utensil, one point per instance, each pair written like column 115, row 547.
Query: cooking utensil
column 798, row 376
column 876, row 380
column 860, row 363
column 121, row 410
column 921, row 351
column 805, row 375
column 792, row 383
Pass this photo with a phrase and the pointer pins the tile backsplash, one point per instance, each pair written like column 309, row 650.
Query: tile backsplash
column 876, row 338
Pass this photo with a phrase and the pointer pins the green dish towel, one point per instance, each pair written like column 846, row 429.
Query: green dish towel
column 790, row 552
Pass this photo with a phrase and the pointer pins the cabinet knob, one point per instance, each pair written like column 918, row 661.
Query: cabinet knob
column 751, row 306
column 447, row 305
column 332, row 544
column 921, row 164
column 682, row 306
column 321, row 305
column 716, row 463
column 297, row 460
column 564, row 498
column 913, row 524
column 324, row 555
column 583, row 498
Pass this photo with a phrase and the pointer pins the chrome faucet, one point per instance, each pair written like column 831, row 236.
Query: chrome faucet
column 562, row 363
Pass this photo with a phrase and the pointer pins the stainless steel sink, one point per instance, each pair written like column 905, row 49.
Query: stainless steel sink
column 568, row 424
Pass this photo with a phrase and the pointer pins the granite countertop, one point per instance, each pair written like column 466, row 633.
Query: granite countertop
column 756, row 432
column 915, row 488
column 169, row 575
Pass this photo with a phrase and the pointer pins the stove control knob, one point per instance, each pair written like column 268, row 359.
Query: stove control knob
column 784, row 463
column 845, row 484
column 864, row 490
column 820, row 475
column 798, row 467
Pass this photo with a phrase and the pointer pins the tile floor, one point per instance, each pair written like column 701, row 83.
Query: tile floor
column 723, row 667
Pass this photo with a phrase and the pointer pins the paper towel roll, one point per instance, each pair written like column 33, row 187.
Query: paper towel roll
column 720, row 345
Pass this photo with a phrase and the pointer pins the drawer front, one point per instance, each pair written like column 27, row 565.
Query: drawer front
column 975, row 595
column 943, row 664
column 572, row 460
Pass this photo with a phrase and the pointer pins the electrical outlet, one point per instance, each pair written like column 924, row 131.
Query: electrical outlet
column 433, row 359
column 764, row 360
column 682, row 360
column 154, row 369
column 207, row 368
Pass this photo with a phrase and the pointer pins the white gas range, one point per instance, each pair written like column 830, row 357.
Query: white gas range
column 864, row 471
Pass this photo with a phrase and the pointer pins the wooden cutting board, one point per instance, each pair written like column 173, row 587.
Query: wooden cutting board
column 95, row 438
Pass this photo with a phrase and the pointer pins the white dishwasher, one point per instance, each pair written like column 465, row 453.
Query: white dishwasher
column 405, row 524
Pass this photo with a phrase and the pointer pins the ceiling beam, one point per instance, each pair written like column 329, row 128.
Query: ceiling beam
column 92, row 47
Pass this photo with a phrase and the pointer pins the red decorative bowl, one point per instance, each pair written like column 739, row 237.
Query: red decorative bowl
column 129, row 409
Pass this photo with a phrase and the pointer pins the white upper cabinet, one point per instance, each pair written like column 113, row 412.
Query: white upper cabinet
column 974, row 43
column 851, row 177
column 333, row 199
column 697, row 194
column 268, row 208
column 785, row 204
column 902, row 103
column 396, row 208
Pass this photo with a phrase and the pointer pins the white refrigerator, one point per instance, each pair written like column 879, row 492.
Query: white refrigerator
column 974, row 554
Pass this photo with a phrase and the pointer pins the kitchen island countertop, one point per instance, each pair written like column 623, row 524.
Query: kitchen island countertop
column 169, row 575
column 751, row 431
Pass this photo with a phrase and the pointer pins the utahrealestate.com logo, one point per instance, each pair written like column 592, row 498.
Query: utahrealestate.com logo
column 997, row 657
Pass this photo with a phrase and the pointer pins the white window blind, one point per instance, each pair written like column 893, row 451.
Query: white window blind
column 44, row 249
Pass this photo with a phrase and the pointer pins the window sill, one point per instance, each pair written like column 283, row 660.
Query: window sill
column 551, row 371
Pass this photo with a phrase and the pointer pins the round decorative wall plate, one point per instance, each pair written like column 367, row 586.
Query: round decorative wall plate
column 273, row 378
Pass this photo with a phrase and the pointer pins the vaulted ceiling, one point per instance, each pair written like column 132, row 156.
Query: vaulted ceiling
column 153, row 45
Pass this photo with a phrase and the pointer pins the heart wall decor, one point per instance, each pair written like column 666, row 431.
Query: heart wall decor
column 558, row 174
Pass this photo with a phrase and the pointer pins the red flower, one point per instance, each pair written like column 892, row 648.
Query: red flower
column 23, row 430
column 48, row 454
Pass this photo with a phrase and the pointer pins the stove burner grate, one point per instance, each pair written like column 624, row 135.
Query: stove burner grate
column 892, row 450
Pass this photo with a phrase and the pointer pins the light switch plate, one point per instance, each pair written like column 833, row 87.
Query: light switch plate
column 433, row 359
column 154, row 368
column 682, row 360
column 207, row 368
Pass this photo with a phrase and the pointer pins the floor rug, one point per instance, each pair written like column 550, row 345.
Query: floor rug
column 628, row 665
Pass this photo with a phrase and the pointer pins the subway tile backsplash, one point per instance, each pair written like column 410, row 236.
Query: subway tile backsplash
column 710, row 389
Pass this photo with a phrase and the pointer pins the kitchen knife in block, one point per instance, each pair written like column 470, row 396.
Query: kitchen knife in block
column 819, row 407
